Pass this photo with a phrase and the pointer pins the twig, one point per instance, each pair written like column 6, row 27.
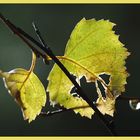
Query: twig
column 46, row 58
column 48, row 51
column 128, row 98
column 39, row 35
column 61, row 110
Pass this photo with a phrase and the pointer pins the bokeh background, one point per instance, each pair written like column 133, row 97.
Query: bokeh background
column 56, row 23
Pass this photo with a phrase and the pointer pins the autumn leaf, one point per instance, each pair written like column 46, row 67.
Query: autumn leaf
column 92, row 50
column 27, row 90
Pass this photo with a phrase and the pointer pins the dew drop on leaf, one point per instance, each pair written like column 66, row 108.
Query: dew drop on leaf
column 134, row 104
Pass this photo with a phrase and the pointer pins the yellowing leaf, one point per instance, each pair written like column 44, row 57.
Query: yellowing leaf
column 92, row 50
column 27, row 90
column 59, row 88
column 106, row 106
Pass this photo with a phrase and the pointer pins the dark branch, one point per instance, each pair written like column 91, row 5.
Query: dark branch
column 48, row 51
column 128, row 98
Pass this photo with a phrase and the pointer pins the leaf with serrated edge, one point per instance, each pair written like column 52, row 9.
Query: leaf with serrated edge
column 27, row 90
column 93, row 49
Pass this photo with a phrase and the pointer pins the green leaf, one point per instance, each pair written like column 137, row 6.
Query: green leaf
column 27, row 90
column 92, row 50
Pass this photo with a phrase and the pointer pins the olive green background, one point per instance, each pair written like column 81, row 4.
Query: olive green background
column 56, row 23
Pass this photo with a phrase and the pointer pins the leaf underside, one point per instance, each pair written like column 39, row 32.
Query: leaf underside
column 92, row 50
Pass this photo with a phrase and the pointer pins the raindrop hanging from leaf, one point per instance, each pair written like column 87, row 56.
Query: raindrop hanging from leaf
column 134, row 104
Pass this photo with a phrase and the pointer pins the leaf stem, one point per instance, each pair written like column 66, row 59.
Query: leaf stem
column 93, row 75
column 33, row 62
column 1, row 75
column 20, row 33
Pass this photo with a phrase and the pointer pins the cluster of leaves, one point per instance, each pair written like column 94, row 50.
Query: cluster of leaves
column 92, row 50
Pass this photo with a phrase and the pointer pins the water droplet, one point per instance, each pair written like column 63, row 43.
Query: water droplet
column 134, row 104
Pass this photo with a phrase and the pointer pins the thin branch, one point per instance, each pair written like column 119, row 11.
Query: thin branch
column 39, row 35
column 61, row 110
column 20, row 33
column 128, row 98
column 46, row 58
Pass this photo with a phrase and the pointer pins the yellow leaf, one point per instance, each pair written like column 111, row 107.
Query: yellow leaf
column 92, row 50
column 27, row 90
column 106, row 106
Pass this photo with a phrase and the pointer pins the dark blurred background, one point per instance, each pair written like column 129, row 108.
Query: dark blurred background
column 56, row 23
